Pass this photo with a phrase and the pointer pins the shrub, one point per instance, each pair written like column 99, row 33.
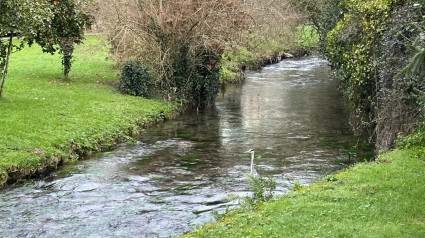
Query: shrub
column 206, row 80
column 181, row 42
column 136, row 80
column 352, row 49
column 322, row 15
column 262, row 188
column 400, row 95
column 414, row 142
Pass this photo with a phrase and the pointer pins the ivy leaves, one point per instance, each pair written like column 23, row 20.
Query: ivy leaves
column 55, row 25
column 378, row 52
column 69, row 21
column 24, row 18
column 353, row 49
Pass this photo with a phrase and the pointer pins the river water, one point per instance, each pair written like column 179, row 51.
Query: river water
column 172, row 179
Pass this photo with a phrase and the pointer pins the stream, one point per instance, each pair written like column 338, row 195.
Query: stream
column 175, row 176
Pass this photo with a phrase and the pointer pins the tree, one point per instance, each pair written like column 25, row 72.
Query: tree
column 70, row 19
column 323, row 15
column 401, row 71
column 22, row 18
column 180, row 40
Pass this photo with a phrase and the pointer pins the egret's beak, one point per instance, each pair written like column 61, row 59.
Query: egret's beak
column 247, row 152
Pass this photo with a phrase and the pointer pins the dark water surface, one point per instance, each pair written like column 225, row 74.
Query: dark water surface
column 171, row 180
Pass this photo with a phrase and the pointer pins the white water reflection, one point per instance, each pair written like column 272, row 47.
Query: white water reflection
column 179, row 172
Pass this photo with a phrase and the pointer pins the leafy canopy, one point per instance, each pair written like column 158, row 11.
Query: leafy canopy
column 23, row 18
column 67, row 27
column 70, row 19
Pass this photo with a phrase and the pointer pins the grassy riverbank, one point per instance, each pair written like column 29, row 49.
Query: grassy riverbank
column 379, row 199
column 261, row 51
column 45, row 119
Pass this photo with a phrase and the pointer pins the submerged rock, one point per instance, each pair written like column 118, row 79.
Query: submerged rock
column 288, row 55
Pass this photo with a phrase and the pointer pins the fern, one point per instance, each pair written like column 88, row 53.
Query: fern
column 262, row 189
column 416, row 66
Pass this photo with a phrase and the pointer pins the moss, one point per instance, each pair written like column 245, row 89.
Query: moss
column 190, row 162
column 183, row 134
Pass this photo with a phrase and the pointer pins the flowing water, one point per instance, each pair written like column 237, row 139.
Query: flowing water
column 179, row 173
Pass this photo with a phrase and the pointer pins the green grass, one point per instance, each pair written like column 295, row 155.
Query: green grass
column 307, row 36
column 251, row 56
column 46, row 119
column 260, row 47
column 379, row 199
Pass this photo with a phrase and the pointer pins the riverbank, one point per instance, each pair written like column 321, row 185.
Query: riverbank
column 376, row 199
column 263, row 51
column 47, row 120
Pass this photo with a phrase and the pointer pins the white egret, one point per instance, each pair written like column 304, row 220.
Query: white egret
column 253, row 171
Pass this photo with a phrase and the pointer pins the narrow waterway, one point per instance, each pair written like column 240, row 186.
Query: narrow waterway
column 179, row 173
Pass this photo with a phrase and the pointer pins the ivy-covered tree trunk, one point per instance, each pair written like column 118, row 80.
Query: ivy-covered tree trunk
column 6, row 65
column 67, row 49
column 70, row 19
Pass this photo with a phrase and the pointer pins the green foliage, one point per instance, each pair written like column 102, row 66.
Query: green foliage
column 307, row 36
column 21, row 17
column 241, row 55
column 262, row 189
column 401, row 69
column 414, row 142
column 416, row 66
column 192, row 74
column 322, row 15
column 136, row 80
column 233, row 60
column 195, row 77
column 260, row 51
column 377, row 51
column 70, row 20
column 46, row 22
column 206, row 80
column 297, row 186
column 352, row 49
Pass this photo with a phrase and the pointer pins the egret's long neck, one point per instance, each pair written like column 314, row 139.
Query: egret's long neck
column 252, row 162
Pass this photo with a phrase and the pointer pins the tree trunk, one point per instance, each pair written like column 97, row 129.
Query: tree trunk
column 6, row 67
column 67, row 48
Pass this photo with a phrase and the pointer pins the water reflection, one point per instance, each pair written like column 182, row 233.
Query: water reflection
column 178, row 172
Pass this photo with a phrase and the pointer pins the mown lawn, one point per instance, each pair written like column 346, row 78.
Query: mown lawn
column 379, row 199
column 45, row 119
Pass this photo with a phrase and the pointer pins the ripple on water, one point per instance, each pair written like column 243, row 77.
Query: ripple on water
column 178, row 173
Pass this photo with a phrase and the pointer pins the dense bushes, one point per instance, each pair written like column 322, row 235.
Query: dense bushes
column 370, row 50
column 180, row 41
column 185, row 42
column 136, row 80
column 400, row 98
column 353, row 50
column 207, row 80
column 323, row 15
